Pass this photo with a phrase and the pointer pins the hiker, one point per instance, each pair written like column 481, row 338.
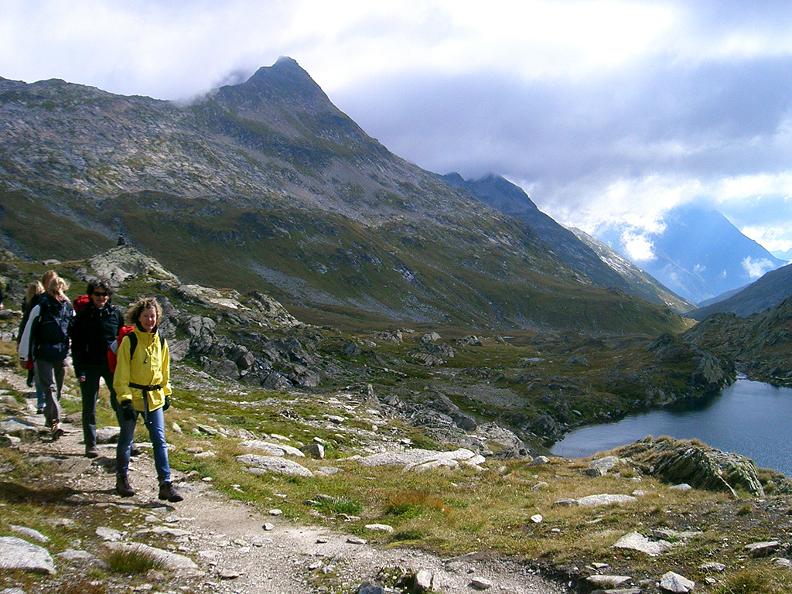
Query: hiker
column 95, row 328
column 32, row 296
column 32, row 299
column 46, row 339
column 142, row 385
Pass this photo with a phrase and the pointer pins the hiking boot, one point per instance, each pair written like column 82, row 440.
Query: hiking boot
column 57, row 432
column 123, row 487
column 91, row 452
column 169, row 492
column 39, row 410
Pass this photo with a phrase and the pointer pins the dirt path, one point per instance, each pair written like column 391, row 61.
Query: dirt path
column 228, row 542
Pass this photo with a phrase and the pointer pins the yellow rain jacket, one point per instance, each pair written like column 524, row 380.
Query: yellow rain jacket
column 150, row 366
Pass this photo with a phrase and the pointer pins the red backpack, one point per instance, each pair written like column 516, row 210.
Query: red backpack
column 112, row 350
column 112, row 359
column 80, row 303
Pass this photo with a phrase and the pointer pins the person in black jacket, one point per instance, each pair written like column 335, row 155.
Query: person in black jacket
column 46, row 339
column 95, row 328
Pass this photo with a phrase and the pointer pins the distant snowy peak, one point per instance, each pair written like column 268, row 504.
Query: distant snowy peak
column 699, row 254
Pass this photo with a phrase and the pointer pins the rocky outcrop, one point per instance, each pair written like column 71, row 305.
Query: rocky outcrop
column 694, row 463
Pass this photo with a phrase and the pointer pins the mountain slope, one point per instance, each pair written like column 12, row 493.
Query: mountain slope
column 268, row 184
column 767, row 292
column 699, row 254
column 760, row 343
column 641, row 283
column 579, row 253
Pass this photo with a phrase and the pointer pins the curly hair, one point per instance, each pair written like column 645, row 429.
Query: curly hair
column 133, row 312
column 101, row 284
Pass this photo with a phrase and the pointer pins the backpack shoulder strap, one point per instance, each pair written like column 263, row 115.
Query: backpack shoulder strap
column 132, row 344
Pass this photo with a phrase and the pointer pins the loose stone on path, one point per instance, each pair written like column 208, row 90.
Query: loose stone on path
column 16, row 553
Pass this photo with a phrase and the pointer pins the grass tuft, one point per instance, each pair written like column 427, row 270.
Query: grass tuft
column 132, row 561
column 753, row 581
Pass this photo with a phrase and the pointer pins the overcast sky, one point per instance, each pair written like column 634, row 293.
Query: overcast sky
column 603, row 110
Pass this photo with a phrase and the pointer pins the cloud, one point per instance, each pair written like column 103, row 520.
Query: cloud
column 756, row 268
column 639, row 248
column 606, row 111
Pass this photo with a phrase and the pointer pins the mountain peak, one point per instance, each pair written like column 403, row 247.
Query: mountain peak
column 283, row 82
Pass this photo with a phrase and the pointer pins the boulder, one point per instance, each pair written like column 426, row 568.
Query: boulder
column 273, row 449
column 18, row 554
column 673, row 582
column 762, row 549
column 107, row 434
column 168, row 560
column 638, row 542
column 694, row 463
column 264, row 464
column 418, row 459
column 604, row 499
column 601, row 466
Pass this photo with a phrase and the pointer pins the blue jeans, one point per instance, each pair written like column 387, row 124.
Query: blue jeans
column 155, row 423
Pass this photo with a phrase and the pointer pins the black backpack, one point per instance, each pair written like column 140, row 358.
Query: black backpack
column 51, row 330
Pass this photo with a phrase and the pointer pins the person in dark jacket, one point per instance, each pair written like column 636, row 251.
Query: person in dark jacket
column 46, row 339
column 36, row 292
column 95, row 328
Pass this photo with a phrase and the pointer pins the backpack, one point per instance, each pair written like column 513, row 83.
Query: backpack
column 81, row 303
column 112, row 350
column 51, row 330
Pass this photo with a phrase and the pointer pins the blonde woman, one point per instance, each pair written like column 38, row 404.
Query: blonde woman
column 142, row 385
column 46, row 340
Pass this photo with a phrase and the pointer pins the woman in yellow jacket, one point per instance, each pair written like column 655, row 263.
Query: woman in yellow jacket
column 142, row 385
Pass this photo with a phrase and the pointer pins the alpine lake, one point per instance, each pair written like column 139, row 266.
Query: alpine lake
column 749, row 418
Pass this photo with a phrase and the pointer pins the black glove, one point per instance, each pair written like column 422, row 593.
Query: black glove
column 127, row 412
column 166, row 406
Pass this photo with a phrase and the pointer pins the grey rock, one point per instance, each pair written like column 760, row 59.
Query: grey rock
column 565, row 502
column 604, row 499
column 108, row 434
column 480, row 583
column 21, row 428
column 423, row 580
column 327, row 470
column 172, row 561
column 601, row 466
column 673, row 582
column 783, row 563
column 18, row 554
column 30, row 533
column 712, row 567
column 273, row 449
column 378, row 527
column 263, row 464
column 75, row 555
column 607, row 581
column 638, row 542
column 762, row 549
column 418, row 459
column 9, row 441
column 430, row 337
column 680, row 487
column 315, row 450
column 108, row 534
column 541, row 460
column 356, row 540
column 694, row 464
